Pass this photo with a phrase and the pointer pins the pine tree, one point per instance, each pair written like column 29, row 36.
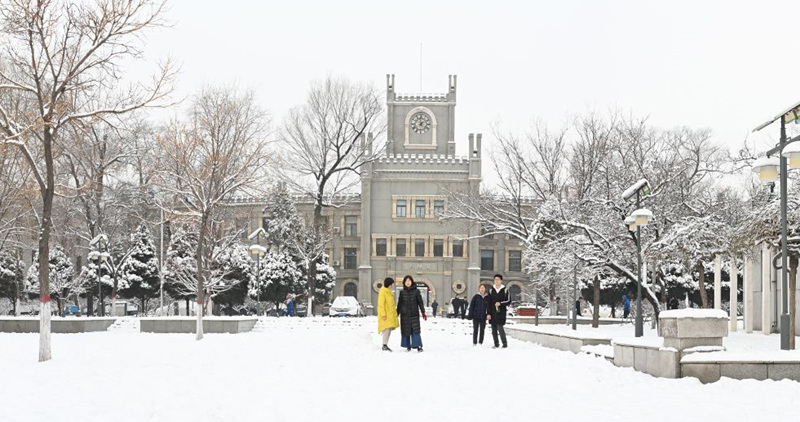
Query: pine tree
column 285, row 226
column 11, row 270
column 139, row 271
column 279, row 276
column 231, row 275
column 62, row 283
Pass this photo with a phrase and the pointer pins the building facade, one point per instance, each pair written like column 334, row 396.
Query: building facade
column 393, row 228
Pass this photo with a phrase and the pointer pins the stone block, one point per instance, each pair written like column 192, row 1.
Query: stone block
column 212, row 326
column 741, row 371
column 623, row 356
column 188, row 326
column 702, row 327
column 779, row 371
column 705, row 372
column 687, row 343
column 161, row 326
column 640, row 359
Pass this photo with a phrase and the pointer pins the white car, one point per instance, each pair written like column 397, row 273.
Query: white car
column 346, row 306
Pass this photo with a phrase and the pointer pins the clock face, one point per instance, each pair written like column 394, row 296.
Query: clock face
column 420, row 122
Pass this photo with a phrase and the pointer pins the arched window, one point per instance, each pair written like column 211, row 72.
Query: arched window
column 514, row 293
column 350, row 289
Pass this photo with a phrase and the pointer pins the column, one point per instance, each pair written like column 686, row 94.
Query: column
column 717, row 281
column 766, row 289
column 748, row 294
column 734, row 300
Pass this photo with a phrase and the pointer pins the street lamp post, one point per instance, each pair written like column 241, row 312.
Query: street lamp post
column 640, row 217
column 258, row 252
column 770, row 169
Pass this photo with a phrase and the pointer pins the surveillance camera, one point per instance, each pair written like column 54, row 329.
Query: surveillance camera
column 642, row 185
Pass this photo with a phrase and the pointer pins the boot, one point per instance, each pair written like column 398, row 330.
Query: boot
column 419, row 349
column 386, row 348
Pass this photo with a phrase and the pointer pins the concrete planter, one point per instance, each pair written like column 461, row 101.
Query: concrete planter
column 562, row 341
column 211, row 325
column 57, row 325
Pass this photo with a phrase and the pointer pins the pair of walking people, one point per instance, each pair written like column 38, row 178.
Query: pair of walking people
column 409, row 307
column 490, row 307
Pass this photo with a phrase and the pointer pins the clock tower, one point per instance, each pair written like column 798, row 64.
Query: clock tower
column 421, row 124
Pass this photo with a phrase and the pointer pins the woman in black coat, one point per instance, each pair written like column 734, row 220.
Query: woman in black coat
column 498, row 303
column 409, row 307
column 478, row 308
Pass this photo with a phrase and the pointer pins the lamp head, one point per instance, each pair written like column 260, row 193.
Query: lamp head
column 767, row 169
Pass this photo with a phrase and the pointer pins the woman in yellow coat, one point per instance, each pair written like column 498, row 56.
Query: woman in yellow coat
column 387, row 313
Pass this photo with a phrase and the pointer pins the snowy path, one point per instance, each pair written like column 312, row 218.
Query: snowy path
column 270, row 375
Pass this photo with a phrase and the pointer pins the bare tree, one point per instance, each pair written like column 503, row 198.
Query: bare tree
column 326, row 149
column 64, row 59
column 218, row 152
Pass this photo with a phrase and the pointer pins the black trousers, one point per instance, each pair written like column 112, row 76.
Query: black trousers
column 478, row 328
column 499, row 328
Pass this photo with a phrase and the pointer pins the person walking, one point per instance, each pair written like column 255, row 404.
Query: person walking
column 498, row 304
column 454, row 306
column 434, row 307
column 409, row 307
column 387, row 314
column 626, row 306
column 478, row 309
column 578, row 307
column 289, row 305
column 464, row 305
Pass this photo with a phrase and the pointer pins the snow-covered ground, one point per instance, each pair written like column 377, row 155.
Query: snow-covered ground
column 323, row 369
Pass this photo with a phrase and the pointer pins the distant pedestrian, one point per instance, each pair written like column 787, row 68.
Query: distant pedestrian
column 289, row 305
column 626, row 306
column 409, row 307
column 455, row 305
column 434, row 307
column 387, row 314
column 463, row 307
column 578, row 307
column 498, row 304
column 478, row 309
column 674, row 303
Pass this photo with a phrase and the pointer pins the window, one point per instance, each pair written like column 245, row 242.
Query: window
column 419, row 208
column 351, row 226
column 350, row 289
column 515, row 261
column 514, row 293
column 400, row 247
column 458, row 248
column 438, row 247
column 380, row 247
column 401, row 208
column 419, row 247
column 350, row 258
column 487, row 260
column 438, row 207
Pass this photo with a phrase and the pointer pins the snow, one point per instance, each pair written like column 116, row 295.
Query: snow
column 694, row 313
column 288, row 371
column 604, row 350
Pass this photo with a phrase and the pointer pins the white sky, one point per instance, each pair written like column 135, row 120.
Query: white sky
column 725, row 65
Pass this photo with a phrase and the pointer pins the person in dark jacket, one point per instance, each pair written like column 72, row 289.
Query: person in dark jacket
column 498, row 304
column 478, row 309
column 673, row 303
column 434, row 307
column 464, row 305
column 409, row 307
column 626, row 306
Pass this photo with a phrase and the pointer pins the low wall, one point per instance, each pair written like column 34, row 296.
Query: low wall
column 211, row 325
column 556, row 320
column 710, row 367
column 647, row 356
column 57, row 324
column 562, row 341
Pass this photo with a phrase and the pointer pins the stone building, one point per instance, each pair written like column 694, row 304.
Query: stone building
column 393, row 228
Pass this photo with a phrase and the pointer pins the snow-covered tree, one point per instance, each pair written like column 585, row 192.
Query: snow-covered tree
column 11, row 271
column 180, row 261
column 231, row 276
column 62, row 283
column 280, row 275
column 139, row 271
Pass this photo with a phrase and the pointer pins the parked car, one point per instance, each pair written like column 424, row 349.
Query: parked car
column 326, row 309
column 346, row 306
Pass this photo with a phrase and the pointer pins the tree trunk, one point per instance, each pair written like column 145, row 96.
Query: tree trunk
column 200, row 272
column 89, row 304
column 319, row 226
column 596, row 302
column 48, row 192
column 703, row 295
column 792, row 306
column 187, row 308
